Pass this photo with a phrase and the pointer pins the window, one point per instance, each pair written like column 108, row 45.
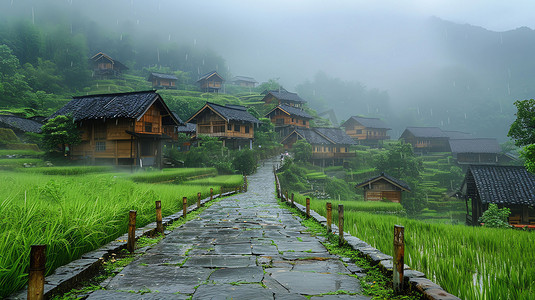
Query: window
column 148, row 126
column 293, row 120
column 359, row 131
column 304, row 122
column 246, row 129
column 100, row 146
column 229, row 127
column 236, row 127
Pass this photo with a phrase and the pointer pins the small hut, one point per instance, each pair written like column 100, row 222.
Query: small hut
column 383, row 187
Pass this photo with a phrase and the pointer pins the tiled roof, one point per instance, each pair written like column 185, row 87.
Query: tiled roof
column 163, row 76
column 400, row 183
column 481, row 145
column 117, row 64
column 286, row 96
column 21, row 124
column 293, row 111
column 336, row 135
column 230, row 113
column 110, row 106
column 458, row 135
column 370, row 122
column 503, row 184
column 209, row 74
column 426, row 132
column 187, row 128
column 312, row 137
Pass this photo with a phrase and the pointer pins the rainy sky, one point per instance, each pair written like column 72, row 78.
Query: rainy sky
column 374, row 42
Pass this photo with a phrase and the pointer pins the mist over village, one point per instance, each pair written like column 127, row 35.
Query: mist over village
column 267, row 149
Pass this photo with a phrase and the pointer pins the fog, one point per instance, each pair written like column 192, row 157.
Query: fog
column 392, row 46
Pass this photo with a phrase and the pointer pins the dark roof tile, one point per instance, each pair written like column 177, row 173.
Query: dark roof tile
column 402, row 184
column 480, row 145
column 20, row 124
column 370, row 122
column 427, row 132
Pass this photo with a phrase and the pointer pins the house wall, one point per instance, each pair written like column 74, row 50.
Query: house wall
column 382, row 189
column 282, row 119
column 162, row 82
column 211, row 124
column 486, row 158
column 359, row 132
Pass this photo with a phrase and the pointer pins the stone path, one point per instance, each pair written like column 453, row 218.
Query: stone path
column 243, row 247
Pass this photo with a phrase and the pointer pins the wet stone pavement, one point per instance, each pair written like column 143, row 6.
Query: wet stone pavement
column 242, row 247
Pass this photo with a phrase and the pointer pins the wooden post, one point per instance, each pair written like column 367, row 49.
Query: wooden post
column 245, row 182
column 184, row 206
column 399, row 257
column 308, row 207
column 329, row 217
column 287, row 199
column 292, row 198
column 340, row 224
column 211, row 194
column 131, row 244
column 159, row 225
column 221, row 191
column 198, row 200
column 36, row 278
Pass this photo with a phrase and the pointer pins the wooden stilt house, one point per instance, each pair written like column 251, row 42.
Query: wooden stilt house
column 366, row 131
column 121, row 129
column 210, row 82
column 383, row 187
column 106, row 67
column 163, row 81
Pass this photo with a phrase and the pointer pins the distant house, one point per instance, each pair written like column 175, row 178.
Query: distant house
column 121, row 129
column 329, row 145
column 283, row 97
column 244, row 81
column 475, row 151
column 506, row 186
column 383, row 187
column 426, row 139
column 285, row 118
column 210, row 82
column 20, row 125
column 104, row 66
column 458, row 135
column 231, row 123
column 366, row 131
column 163, row 81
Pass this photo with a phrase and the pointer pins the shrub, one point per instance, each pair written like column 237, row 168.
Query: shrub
column 245, row 162
column 495, row 217
column 7, row 136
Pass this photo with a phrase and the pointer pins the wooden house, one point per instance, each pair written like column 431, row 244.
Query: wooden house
column 163, row 81
column 285, row 118
column 383, row 187
column 475, row 151
column 121, row 129
column 283, row 97
column 505, row 186
column 244, row 81
column 366, row 131
column 104, row 66
column 231, row 123
column 426, row 139
column 329, row 145
column 210, row 82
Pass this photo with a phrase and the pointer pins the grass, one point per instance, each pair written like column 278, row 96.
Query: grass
column 69, row 170
column 9, row 163
column 226, row 181
column 177, row 175
column 73, row 215
column 33, row 153
column 469, row 262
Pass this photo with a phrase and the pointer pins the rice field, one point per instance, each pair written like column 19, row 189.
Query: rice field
column 74, row 214
column 469, row 262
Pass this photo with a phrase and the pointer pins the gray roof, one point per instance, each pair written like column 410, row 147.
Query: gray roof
column 336, row 135
column 426, row 132
column 244, row 78
column 187, row 128
column 480, row 145
column 458, row 135
column 292, row 111
column 207, row 75
column 400, row 183
column 312, row 137
column 163, row 76
column 111, row 106
column 230, row 113
column 503, row 184
column 370, row 122
column 284, row 95
column 20, row 124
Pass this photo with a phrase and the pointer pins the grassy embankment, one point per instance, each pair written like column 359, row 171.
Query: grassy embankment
column 81, row 210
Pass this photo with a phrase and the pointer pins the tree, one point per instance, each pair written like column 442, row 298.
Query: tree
column 245, row 162
column 522, row 130
column 60, row 131
column 399, row 161
column 302, row 150
column 13, row 85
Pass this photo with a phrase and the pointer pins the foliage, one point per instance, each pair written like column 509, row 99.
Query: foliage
column 7, row 136
column 302, row 151
column 495, row 217
column 338, row 189
column 522, row 131
column 60, row 130
column 245, row 162
column 175, row 175
column 227, row 181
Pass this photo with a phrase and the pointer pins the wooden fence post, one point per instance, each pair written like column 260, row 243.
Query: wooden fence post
column 399, row 257
column 245, row 182
column 340, row 224
column 36, row 278
column 211, row 194
column 221, row 191
column 184, row 206
column 198, row 200
column 292, row 198
column 159, row 225
column 131, row 243
column 308, row 207
column 329, row 217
